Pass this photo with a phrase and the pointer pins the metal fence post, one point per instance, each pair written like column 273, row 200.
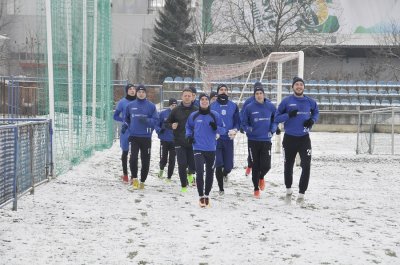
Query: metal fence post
column 15, row 189
column 31, row 158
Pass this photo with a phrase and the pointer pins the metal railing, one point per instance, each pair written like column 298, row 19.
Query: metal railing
column 26, row 157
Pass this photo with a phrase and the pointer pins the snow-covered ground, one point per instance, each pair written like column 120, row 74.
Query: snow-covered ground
column 88, row 216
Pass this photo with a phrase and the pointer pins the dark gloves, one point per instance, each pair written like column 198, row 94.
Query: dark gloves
column 293, row 113
column 162, row 130
column 308, row 123
column 213, row 125
column 190, row 140
column 124, row 127
column 278, row 131
column 142, row 119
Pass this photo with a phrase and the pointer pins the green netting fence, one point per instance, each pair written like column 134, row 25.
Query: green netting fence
column 83, row 95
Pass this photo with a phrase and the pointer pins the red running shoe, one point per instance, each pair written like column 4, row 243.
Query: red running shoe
column 125, row 179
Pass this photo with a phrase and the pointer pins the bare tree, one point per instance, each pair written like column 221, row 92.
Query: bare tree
column 207, row 29
column 390, row 46
column 5, row 49
column 276, row 25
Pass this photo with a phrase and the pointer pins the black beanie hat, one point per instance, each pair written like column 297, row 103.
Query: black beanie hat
column 219, row 86
column 128, row 86
column 258, row 87
column 172, row 101
column 297, row 79
column 204, row 95
column 193, row 89
column 140, row 87
column 213, row 94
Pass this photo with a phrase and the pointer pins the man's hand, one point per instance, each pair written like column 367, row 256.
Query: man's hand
column 293, row 113
column 174, row 125
column 124, row 127
column 190, row 140
column 308, row 123
column 213, row 125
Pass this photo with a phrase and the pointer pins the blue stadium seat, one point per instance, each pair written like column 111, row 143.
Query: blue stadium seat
column 345, row 102
column 354, row 102
column 391, row 83
column 323, row 91
column 385, row 102
column 364, row 102
column 352, row 83
column 287, row 82
column 322, row 84
column 393, row 91
column 371, row 83
column 168, row 79
column 382, row 91
column 333, row 91
column 188, row 80
column 311, row 84
column 335, row 102
column 313, row 91
column 362, row 91
column 353, row 91
column 395, row 102
column 342, row 83
column 332, row 83
column 325, row 102
column 343, row 91
column 178, row 79
column 375, row 102
column 197, row 80
column 235, row 90
column 372, row 91
column 285, row 90
column 361, row 83
column 381, row 84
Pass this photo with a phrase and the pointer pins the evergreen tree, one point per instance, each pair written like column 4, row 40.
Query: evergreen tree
column 170, row 54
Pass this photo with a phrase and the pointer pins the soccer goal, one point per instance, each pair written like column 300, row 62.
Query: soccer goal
column 275, row 72
column 379, row 131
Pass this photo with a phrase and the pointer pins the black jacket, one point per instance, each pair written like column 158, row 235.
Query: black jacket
column 180, row 115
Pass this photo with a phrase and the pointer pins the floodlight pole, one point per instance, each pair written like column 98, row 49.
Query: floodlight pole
column 50, row 69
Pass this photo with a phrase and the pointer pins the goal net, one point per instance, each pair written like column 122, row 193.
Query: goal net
column 378, row 131
column 275, row 72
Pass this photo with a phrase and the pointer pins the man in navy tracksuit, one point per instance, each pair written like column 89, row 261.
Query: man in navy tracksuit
column 258, row 123
column 298, row 113
column 166, row 137
column 203, row 127
column 141, row 118
column 184, row 151
column 229, row 113
column 247, row 102
column 119, row 115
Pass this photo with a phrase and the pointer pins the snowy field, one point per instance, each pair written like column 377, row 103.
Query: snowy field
column 88, row 216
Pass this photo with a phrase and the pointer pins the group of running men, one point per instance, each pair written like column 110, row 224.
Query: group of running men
column 200, row 135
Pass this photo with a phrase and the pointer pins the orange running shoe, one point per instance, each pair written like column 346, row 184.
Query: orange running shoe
column 257, row 194
column 261, row 184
